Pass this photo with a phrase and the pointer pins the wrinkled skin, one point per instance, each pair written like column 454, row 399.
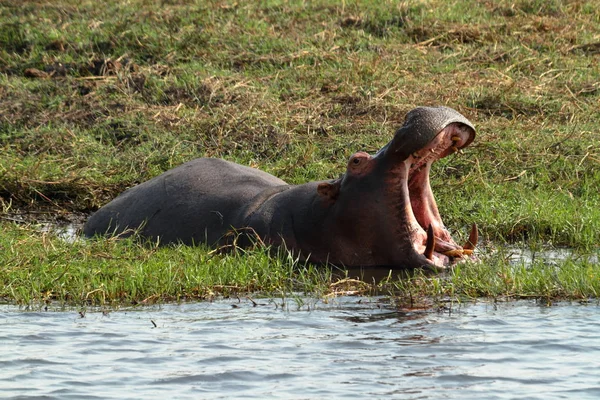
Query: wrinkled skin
column 381, row 212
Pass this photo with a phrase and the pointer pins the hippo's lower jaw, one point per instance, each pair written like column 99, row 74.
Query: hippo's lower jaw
column 428, row 235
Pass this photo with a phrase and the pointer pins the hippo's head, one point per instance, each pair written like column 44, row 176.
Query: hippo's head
column 382, row 210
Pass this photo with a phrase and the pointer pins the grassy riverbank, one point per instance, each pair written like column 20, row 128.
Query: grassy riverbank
column 94, row 99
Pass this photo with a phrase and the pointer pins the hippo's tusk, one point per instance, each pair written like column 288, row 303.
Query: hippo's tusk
column 456, row 138
column 468, row 247
column 473, row 239
column 430, row 245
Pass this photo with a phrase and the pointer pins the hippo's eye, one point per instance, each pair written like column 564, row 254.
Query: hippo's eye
column 356, row 161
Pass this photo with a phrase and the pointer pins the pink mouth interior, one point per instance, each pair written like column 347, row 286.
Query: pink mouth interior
column 423, row 211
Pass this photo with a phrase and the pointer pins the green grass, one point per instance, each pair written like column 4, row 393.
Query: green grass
column 46, row 269
column 112, row 272
column 573, row 276
column 95, row 99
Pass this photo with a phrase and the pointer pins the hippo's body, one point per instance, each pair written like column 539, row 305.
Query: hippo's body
column 380, row 212
column 197, row 202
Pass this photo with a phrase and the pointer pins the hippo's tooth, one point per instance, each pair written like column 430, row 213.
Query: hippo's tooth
column 456, row 138
column 430, row 245
column 473, row 239
column 454, row 253
column 454, row 149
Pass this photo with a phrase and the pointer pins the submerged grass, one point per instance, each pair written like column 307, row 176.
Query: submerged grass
column 94, row 99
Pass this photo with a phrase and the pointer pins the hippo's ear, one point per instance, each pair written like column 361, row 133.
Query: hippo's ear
column 329, row 191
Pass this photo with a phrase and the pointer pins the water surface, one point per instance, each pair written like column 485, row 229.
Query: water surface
column 349, row 348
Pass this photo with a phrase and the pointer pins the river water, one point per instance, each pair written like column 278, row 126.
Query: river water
column 347, row 348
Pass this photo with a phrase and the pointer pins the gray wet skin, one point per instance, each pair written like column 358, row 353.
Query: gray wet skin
column 376, row 214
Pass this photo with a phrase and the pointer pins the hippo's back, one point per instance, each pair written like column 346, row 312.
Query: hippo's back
column 197, row 202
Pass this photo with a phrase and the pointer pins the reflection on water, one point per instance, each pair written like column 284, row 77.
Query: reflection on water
column 68, row 232
column 64, row 226
column 344, row 349
column 552, row 256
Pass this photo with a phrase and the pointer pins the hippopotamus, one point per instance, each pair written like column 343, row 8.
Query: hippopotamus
column 380, row 212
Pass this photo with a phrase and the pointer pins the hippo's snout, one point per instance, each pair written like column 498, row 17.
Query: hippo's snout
column 428, row 135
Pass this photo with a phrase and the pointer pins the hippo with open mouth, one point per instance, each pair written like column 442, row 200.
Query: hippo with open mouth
column 381, row 212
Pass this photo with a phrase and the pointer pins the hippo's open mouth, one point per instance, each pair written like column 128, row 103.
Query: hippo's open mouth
column 427, row 231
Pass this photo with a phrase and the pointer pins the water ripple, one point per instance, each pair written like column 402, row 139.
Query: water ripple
column 338, row 350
